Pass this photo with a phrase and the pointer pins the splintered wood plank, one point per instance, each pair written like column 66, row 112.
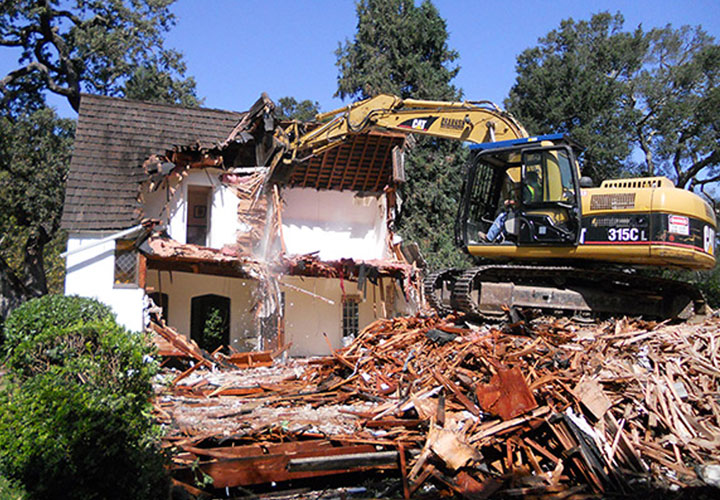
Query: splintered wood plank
column 449, row 446
column 381, row 459
column 462, row 398
column 276, row 468
column 507, row 395
column 590, row 393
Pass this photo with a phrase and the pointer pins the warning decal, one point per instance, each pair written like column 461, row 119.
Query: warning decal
column 679, row 225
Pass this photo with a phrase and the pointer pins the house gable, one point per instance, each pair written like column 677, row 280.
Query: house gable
column 112, row 140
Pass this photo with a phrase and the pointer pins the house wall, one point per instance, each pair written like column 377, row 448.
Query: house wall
column 337, row 224
column 182, row 287
column 170, row 206
column 308, row 317
column 91, row 273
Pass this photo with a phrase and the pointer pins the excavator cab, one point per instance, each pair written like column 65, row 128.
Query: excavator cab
column 527, row 188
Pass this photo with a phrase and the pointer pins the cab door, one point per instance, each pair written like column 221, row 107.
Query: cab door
column 549, row 211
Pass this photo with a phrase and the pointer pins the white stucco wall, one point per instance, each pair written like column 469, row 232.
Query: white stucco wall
column 307, row 317
column 338, row 224
column 182, row 287
column 91, row 273
column 171, row 207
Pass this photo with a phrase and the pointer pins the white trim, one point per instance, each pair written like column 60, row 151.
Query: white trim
column 112, row 237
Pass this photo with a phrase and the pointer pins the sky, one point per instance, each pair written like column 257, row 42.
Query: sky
column 237, row 49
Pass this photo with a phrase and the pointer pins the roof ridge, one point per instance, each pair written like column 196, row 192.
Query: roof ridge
column 158, row 104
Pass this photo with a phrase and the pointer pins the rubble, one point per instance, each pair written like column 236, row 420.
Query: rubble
column 559, row 411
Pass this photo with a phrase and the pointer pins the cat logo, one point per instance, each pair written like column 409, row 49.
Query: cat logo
column 418, row 124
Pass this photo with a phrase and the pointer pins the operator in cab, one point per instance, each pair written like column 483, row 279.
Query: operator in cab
column 531, row 193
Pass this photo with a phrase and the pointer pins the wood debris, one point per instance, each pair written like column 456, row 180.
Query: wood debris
column 562, row 411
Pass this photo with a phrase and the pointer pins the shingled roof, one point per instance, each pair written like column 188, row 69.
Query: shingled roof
column 113, row 138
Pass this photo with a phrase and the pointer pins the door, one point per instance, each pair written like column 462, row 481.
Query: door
column 210, row 321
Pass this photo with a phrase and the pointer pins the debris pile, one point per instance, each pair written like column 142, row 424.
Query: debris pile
column 547, row 409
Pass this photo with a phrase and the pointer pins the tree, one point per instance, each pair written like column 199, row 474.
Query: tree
column 676, row 98
column 97, row 46
column 619, row 93
column 575, row 81
column 400, row 48
column 75, row 404
column 289, row 109
column 34, row 153
column 109, row 47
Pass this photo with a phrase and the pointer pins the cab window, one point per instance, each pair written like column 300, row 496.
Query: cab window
column 547, row 177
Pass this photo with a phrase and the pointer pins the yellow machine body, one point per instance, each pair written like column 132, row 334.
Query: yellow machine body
column 645, row 221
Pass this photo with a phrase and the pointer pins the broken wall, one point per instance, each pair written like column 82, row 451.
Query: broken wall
column 182, row 287
column 336, row 224
column 169, row 203
column 308, row 317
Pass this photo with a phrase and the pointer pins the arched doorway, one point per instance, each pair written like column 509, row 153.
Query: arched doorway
column 210, row 321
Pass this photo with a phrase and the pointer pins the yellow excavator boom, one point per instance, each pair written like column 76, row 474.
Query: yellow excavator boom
column 475, row 122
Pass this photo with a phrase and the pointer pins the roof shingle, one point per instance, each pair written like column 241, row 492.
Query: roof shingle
column 113, row 138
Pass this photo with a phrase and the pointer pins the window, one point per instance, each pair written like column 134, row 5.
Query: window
column 198, row 215
column 126, row 263
column 350, row 316
column 548, row 177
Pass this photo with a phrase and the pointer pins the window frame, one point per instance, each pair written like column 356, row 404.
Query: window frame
column 118, row 253
column 350, row 316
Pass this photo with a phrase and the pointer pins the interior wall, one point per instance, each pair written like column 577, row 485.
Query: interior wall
column 336, row 224
column 169, row 204
column 182, row 287
column 308, row 317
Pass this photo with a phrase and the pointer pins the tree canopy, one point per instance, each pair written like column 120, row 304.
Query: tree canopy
column 96, row 46
column 622, row 92
column 110, row 47
column 288, row 108
column 400, row 48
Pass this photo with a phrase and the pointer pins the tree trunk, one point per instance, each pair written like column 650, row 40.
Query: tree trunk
column 12, row 291
column 34, row 265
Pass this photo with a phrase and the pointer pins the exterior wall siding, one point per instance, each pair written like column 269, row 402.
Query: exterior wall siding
column 90, row 273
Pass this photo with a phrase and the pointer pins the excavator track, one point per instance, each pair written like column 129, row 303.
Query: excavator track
column 438, row 289
column 491, row 291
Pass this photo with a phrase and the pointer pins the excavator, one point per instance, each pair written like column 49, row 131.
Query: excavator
column 569, row 248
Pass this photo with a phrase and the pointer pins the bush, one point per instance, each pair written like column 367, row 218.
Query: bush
column 37, row 315
column 75, row 406
column 10, row 491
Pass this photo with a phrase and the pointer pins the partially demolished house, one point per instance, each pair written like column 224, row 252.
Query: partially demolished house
column 184, row 216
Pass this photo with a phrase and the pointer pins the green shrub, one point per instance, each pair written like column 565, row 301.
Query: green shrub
column 37, row 315
column 10, row 491
column 75, row 405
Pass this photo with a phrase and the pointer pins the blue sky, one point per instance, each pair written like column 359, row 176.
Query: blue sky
column 237, row 49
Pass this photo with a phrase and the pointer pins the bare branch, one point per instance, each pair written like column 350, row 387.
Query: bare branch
column 22, row 36
column 709, row 180
column 696, row 167
column 19, row 73
column 11, row 43
column 26, row 70
column 40, row 56
column 67, row 68
column 645, row 146
column 68, row 15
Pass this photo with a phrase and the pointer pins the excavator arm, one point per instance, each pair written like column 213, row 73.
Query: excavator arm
column 476, row 122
